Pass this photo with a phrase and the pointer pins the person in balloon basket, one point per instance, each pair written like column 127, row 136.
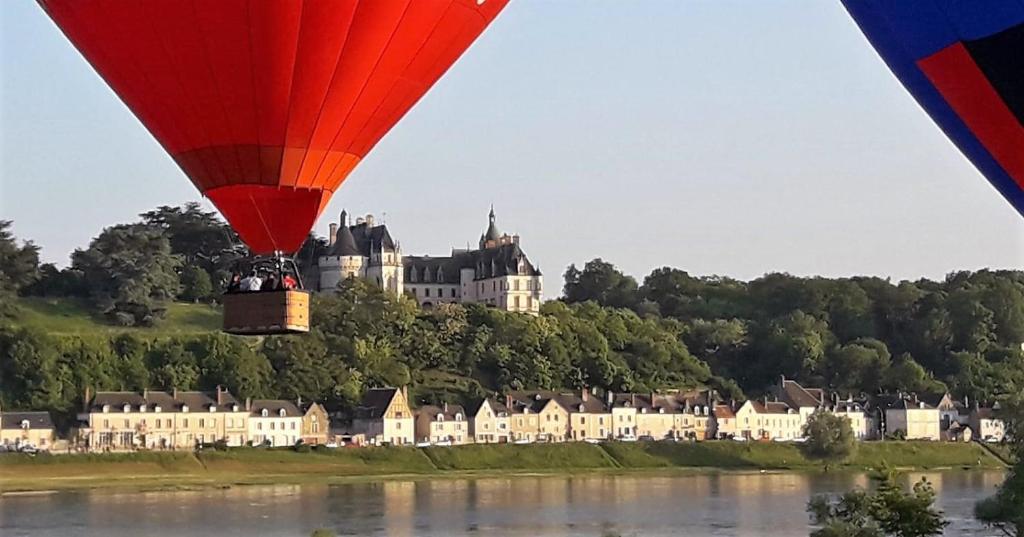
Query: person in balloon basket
column 289, row 282
column 252, row 282
column 269, row 283
column 235, row 283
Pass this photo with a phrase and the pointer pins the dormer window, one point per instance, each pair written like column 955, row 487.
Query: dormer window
column 106, row 408
column 281, row 413
column 184, row 408
column 127, row 408
column 264, row 413
column 213, row 408
column 661, row 410
column 458, row 417
column 440, row 275
column 643, row 410
column 157, row 408
column 25, row 424
column 439, row 417
column 581, row 408
column 142, row 408
column 234, row 408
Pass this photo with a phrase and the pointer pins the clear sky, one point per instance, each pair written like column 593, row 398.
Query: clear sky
column 720, row 137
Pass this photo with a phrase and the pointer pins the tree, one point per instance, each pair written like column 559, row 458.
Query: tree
column 1005, row 510
column 195, row 284
column 130, row 273
column 19, row 266
column 601, row 282
column 199, row 237
column 829, row 437
column 888, row 512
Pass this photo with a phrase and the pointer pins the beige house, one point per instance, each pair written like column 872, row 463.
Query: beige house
column 912, row 418
column 384, row 417
column 162, row 420
column 490, row 423
column 986, row 427
column 315, row 423
column 723, row 423
column 19, row 429
column 589, row 418
column 442, row 424
column 537, row 416
column 274, row 423
column 807, row 401
column 768, row 420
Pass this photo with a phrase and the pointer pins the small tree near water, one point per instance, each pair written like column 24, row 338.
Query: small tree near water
column 829, row 437
column 888, row 512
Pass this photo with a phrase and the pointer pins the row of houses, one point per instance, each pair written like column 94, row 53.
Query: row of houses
column 386, row 417
column 115, row 421
column 119, row 421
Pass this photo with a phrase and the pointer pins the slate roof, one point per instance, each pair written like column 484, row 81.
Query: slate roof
column 274, row 408
column 345, row 244
column 36, row 420
column 489, row 263
column 497, row 406
column 375, row 402
column 771, row 407
column 371, row 238
column 165, row 400
column 448, row 411
column 797, row 396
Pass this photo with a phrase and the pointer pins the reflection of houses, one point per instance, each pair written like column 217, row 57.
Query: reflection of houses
column 490, row 422
column 445, row 423
column 384, row 417
column 274, row 423
column 26, row 428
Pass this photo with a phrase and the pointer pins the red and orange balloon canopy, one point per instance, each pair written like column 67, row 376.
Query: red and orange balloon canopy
column 268, row 105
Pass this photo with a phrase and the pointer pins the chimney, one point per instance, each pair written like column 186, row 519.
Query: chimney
column 220, row 395
column 145, row 393
column 174, row 393
column 248, row 404
column 508, row 402
column 584, row 395
column 332, row 234
column 405, row 395
column 298, row 402
column 369, row 220
column 610, row 397
column 632, row 399
column 444, row 406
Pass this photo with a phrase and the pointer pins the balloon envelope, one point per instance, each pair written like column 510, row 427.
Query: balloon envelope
column 268, row 105
column 963, row 60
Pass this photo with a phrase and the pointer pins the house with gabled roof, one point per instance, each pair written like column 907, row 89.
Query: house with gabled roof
column 489, row 422
column 274, row 422
column 26, row 428
column 442, row 424
column 537, row 416
column 384, row 417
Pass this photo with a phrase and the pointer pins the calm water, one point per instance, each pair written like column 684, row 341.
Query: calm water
column 739, row 505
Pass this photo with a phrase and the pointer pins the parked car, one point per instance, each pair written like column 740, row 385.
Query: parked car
column 522, row 441
column 629, row 438
column 443, row 443
column 646, row 438
column 422, row 444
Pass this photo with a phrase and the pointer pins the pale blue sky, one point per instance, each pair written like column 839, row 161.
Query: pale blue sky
column 725, row 137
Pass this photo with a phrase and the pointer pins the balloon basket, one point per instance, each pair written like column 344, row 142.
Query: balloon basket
column 263, row 313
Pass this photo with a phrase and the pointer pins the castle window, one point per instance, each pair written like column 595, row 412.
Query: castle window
column 412, row 275
column 440, row 292
column 426, row 292
column 515, row 284
column 440, row 275
column 453, row 292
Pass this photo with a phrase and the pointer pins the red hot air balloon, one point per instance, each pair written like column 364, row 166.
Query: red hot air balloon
column 268, row 105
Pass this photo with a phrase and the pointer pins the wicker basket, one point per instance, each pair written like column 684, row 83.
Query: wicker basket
column 266, row 312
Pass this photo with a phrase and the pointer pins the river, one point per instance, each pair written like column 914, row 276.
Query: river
column 585, row 506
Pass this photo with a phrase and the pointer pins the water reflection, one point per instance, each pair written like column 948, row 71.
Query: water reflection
column 708, row 505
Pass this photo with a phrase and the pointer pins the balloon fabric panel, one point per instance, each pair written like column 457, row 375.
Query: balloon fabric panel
column 268, row 105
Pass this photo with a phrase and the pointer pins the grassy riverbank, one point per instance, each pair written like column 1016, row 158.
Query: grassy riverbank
column 255, row 466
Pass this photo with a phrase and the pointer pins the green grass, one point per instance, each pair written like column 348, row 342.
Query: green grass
column 570, row 456
column 252, row 466
column 69, row 316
